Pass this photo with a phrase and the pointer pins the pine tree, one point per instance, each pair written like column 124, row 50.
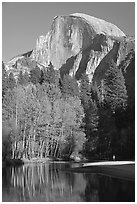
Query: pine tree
column 35, row 75
column 85, row 91
column 69, row 86
column 90, row 107
column 91, row 116
column 114, row 88
column 91, row 128
column 106, row 132
column 50, row 75
column 111, row 97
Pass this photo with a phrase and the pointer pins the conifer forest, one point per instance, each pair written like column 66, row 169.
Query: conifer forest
column 46, row 115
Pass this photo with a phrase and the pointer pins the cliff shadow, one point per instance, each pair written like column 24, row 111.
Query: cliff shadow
column 103, row 65
column 67, row 66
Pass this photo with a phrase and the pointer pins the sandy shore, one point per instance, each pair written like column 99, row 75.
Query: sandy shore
column 122, row 170
column 109, row 163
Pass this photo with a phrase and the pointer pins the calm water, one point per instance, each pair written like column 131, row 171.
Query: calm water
column 47, row 182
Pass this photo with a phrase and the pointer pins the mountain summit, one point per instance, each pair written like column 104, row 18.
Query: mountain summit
column 101, row 26
column 78, row 43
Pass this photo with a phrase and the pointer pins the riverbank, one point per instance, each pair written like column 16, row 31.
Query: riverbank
column 37, row 160
column 17, row 162
column 119, row 169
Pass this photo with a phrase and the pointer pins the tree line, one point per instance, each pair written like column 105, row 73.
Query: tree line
column 50, row 116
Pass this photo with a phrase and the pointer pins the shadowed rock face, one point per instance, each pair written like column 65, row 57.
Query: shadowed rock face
column 78, row 43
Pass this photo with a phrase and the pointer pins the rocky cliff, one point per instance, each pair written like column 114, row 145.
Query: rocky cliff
column 80, row 43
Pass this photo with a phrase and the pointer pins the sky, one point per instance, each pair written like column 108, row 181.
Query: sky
column 24, row 22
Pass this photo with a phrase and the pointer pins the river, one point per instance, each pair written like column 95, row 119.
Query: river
column 51, row 183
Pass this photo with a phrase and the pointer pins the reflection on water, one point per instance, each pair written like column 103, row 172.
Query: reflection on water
column 47, row 182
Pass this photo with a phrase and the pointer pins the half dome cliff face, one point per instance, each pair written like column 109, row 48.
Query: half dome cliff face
column 78, row 43
column 79, row 40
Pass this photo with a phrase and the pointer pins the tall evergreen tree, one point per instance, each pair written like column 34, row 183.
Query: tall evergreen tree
column 85, row 91
column 50, row 75
column 91, row 116
column 112, row 100
column 69, row 86
column 107, row 132
column 91, row 129
column 35, row 75
column 114, row 88
column 90, row 107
